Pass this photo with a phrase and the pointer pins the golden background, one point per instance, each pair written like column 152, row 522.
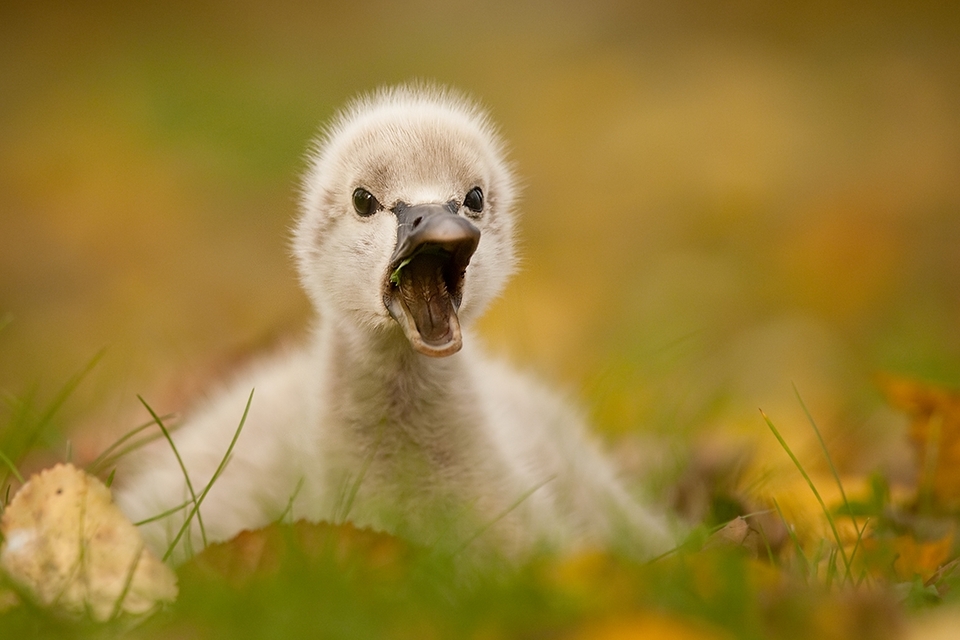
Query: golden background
column 721, row 200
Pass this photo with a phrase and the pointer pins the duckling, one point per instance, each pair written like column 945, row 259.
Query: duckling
column 391, row 416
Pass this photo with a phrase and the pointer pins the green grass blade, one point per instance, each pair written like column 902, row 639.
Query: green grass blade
column 793, row 537
column 112, row 459
column 803, row 472
column 293, row 496
column 11, row 466
column 766, row 544
column 216, row 474
column 29, row 429
column 183, row 467
column 93, row 467
column 857, row 545
column 831, row 568
column 833, row 470
column 484, row 528
column 127, row 582
column 164, row 514
column 68, row 388
column 823, row 447
column 345, row 503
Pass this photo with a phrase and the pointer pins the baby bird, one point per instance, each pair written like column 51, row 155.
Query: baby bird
column 391, row 416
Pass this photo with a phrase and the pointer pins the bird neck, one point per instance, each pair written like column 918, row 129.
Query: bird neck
column 377, row 378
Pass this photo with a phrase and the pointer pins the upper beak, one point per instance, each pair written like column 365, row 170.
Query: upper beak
column 424, row 285
column 436, row 225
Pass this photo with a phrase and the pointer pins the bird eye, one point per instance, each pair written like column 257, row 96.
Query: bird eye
column 364, row 203
column 474, row 200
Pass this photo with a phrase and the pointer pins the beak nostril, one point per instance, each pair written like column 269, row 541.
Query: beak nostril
column 416, row 223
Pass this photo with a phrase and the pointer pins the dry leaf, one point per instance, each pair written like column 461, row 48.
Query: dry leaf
column 907, row 556
column 649, row 626
column 251, row 555
column 70, row 549
column 934, row 433
column 738, row 534
column 921, row 558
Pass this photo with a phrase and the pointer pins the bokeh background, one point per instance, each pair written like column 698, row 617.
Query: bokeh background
column 722, row 201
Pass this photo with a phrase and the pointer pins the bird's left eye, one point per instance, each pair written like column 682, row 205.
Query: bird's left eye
column 364, row 203
column 474, row 200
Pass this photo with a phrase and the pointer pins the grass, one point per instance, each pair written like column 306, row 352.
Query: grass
column 28, row 425
column 186, row 477
column 813, row 487
column 197, row 501
column 333, row 581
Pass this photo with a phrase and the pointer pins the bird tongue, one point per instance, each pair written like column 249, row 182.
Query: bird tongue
column 426, row 310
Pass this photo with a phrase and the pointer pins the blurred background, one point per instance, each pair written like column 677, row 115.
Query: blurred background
column 722, row 201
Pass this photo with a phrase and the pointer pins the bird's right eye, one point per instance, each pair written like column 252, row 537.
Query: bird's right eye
column 364, row 203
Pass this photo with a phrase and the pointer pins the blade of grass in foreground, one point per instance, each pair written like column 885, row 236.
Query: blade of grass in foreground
column 93, row 467
column 836, row 476
column 216, row 474
column 484, row 528
column 10, row 465
column 164, row 514
column 112, row 459
column 183, row 467
column 793, row 537
column 29, row 429
column 127, row 582
column 345, row 501
column 293, row 496
column 803, row 472
column 61, row 398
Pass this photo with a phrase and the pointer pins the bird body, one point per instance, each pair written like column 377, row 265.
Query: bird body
column 391, row 416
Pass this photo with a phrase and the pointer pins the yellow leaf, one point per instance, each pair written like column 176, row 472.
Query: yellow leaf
column 907, row 556
column 70, row 549
column 934, row 434
column 640, row 626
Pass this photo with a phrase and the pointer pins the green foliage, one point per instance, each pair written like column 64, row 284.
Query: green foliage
column 198, row 500
column 29, row 424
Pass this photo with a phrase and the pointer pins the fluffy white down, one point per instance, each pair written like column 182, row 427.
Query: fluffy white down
column 357, row 426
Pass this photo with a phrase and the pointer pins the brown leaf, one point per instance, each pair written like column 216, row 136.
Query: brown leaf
column 252, row 555
column 736, row 533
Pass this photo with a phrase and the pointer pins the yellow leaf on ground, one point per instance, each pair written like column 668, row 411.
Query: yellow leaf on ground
column 649, row 625
column 70, row 549
column 921, row 558
column 934, row 434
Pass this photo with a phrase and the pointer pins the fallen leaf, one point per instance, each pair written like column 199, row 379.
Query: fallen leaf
column 69, row 548
column 934, row 434
column 649, row 625
column 905, row 556
column 261, row 553
column 921, row 558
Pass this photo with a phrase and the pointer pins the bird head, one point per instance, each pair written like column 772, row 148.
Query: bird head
column 406, row 223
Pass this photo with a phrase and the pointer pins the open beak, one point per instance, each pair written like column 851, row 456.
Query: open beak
column 423, row 287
